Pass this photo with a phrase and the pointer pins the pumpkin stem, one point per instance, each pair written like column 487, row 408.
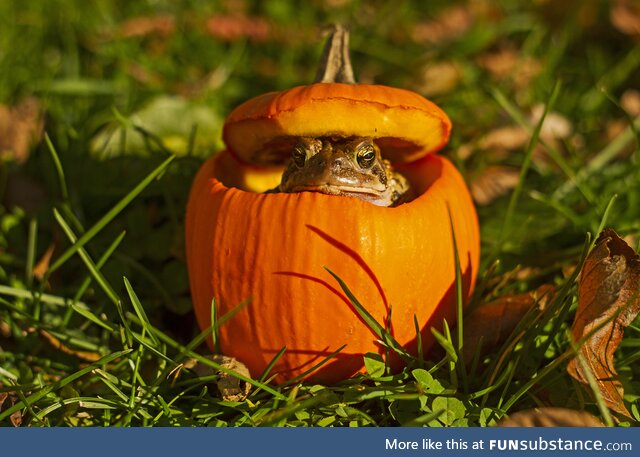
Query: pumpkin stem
column 335, row 66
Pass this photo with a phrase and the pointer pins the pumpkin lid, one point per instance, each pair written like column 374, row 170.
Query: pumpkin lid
column 405, row 125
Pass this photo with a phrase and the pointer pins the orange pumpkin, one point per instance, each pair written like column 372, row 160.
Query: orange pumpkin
column 271, row 248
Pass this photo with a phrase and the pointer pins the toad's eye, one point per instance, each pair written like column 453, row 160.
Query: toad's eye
column 366, row 156
column 299, row 155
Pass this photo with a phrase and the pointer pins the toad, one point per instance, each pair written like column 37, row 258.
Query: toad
column 343, row 166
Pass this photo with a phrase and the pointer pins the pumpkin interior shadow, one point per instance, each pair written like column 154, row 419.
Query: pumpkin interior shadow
column 421, row 174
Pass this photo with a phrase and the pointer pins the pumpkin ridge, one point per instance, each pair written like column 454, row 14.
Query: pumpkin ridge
column 357, row 258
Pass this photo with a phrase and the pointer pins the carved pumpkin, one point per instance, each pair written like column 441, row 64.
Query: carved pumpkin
column 271, row 248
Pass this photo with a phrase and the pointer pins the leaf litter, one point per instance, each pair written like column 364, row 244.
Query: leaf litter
column 608, row 301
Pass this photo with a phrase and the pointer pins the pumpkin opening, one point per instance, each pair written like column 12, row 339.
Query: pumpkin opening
column 232, row 172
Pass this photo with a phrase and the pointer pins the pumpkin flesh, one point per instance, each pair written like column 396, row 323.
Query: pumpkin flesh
column 271, row 248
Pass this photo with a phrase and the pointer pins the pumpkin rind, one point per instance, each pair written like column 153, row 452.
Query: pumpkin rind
column 409, row 125
column 271, row 248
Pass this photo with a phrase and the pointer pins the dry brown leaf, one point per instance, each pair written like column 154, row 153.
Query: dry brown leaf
column 608, row 301
column 550, row 417
column 21, row 126
column 230, row 387
column 509, row 64
column 491, row 324
column 555, row 125
column 625, row 17
column 5, row 330
column 438, row 78
column 630, row 101
column 15, row 418
column 509, row 137
column 163, row 25
column 59, row 345
column 493, row 182
column 233, row 27
column 42, row 265
column 450, row 24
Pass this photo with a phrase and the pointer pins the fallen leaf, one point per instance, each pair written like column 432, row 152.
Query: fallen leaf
column 230, row 387
column 493, row 182
column 42, row 265
column 15, row 418
column 630, row 101
column 550, row 417
column 555, row 125
column 233, row 27
column 625, row 17
column 163, row 25
column 59, row 345
column 21, row 126
column 450, row 24
column 438, row 78
column 508, row 137
column 608, row 301
column 509, row 64
column 5, row 332
column 491, row 324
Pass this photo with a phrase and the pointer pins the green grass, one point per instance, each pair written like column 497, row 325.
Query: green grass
column 108, row 185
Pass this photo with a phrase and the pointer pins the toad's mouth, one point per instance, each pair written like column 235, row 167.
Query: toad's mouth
column 332, row 189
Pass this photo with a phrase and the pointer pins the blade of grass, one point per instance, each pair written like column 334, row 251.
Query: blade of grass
column 46, row 298
column 108, row 217
column 97, row 275
column 315, row 367
column 148, row 275
column 460, row 366
column 605, row 218
column 424, row 419
column 517, row 116
column 597, row 163
column 371, row 322
column 101, row 261
column 31, row 251
column 31, row 399
column 419, row 342
column 506, row 226
column 62, row 182
column 137, row 306
column 214, row 327
column 199, row 339
column 289, row 410
column 273, row 361
column 187, row 352
column 446, row 344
